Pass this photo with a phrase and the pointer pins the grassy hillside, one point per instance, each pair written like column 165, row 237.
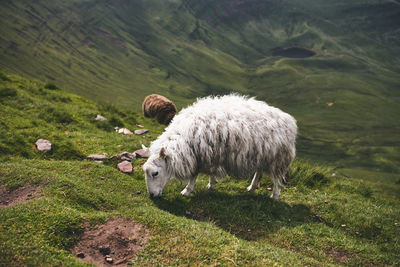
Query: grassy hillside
column 322, row 218
column 346, row 98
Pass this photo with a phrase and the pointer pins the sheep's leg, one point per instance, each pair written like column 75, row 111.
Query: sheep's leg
column 212, row 182
column 276, row 191
column 255, row 183
column 189, row 187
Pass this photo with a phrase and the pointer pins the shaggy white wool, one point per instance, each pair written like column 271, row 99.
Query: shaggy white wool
column 233, row 135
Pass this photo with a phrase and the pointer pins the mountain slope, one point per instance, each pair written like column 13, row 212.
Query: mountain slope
column 322, row 217
column 346, row 98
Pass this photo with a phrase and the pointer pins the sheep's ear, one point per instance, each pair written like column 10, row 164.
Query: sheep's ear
column 162, row 153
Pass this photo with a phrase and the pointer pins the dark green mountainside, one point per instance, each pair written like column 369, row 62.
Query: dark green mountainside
column 345, row 98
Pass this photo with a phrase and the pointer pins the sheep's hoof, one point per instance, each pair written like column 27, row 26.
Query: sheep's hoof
column 185, row 192
column 210, row 186
column 275, row 196
column 251, row 189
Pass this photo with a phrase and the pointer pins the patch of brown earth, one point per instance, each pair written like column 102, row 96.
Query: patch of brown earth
column 18, row 196
column 341, row 256
column 113, row 243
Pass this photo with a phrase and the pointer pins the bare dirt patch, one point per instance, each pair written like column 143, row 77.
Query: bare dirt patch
column 113, row 243
column 18, row 196
column 340, row 256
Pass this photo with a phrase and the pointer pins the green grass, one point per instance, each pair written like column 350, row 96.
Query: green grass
column 324, row 216
column 120, row 51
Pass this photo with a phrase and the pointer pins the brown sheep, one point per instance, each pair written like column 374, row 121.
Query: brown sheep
column 159, row 107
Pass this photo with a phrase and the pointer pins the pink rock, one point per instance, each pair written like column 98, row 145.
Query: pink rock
column 43, row 145
column 97, row 156
column 142, row 153
column 125, row 167
column 141, row 131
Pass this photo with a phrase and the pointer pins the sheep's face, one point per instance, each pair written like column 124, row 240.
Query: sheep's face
column 156, row 173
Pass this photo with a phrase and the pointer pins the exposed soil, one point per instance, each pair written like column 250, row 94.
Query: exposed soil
column 18, row 196
column 113, row 243
column 293, row 52
column 341, row 256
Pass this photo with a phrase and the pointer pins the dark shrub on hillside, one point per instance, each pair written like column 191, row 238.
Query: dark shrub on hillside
column 3, row 77
column 8, row 92
column 58, row 116
column 51, row 86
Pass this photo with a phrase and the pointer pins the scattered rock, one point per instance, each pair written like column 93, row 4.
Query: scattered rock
column 43, row 145
column 109, row 260
column 139, row 125
column 269, row 189
column 97, row 156
column 126, row 156
column 330, row 104
column 125, row 167
column 100, row 118
column 124, row 131
column 142, row 153
column 343, row 225
column 141, row 131
column 333, row 174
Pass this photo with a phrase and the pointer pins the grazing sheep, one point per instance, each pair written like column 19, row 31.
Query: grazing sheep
column 160, row 107
column 233, row 135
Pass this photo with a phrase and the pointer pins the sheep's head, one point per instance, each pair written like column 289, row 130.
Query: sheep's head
column 156, row 173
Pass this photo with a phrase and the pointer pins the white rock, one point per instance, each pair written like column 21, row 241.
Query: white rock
column 43, row 145
column 100, row 118
column 97, row 156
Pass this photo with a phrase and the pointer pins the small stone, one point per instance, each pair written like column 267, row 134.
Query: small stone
column 109, row 260
column 80, row 255
column 105, row 250
column 139, row 125
column 126, row 156
column 124, row 131
column 343, row 225
column 97, row 156
column 125, row 167
column 100, row 118
column 43, row 145
column 102, row 178
column 269, row 189
column 142, row 153
column 141, row 131
column 333, row 174
column 248, row 230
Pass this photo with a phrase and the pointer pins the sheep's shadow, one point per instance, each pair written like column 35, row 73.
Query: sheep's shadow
column 248, row 216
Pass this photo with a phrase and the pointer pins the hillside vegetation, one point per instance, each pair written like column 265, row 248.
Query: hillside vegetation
column 345, row 98
column 322, row 218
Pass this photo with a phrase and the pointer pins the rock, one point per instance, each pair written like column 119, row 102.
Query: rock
column 105, row 250
column 141, row 131
column 100, row 118
column 125, row 167
column 127, row 156
column 97, row 156
column 43, row 145
column 142, row 153
column 124, row 131
column 269, row 189
column 80, row 255
column 139, row 125
column 109, row 260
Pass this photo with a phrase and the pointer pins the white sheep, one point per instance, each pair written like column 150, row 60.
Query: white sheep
column 231, row 134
